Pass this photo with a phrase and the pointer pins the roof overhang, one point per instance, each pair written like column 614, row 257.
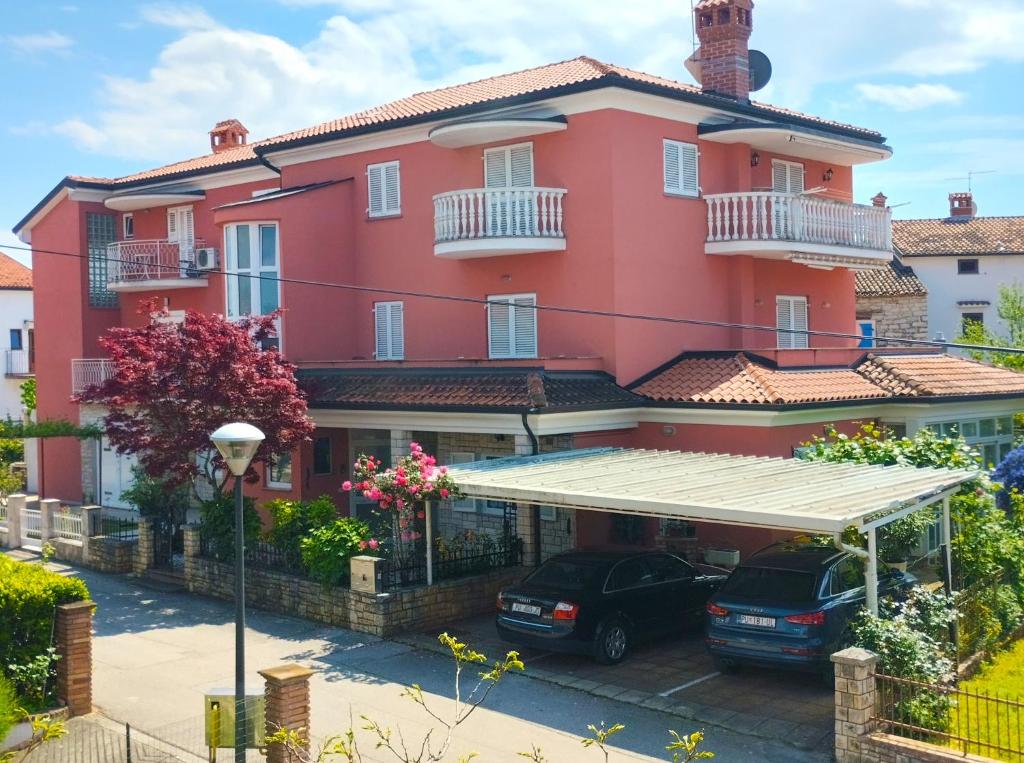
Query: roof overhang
column 475, row 132
column 797, row 140
column 127, row 202
column 776, row 493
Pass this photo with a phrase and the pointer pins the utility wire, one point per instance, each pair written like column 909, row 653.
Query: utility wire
column 552, row 308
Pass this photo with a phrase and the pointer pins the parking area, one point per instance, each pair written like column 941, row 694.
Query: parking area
column 677, row 675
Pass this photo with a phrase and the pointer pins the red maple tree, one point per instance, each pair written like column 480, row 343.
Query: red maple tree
column 173, row 384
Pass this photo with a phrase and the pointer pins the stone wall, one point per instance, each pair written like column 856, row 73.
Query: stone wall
column 896, row 316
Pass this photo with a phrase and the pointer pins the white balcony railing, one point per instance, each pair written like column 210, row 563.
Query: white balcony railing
column 768, row 216
column 484, row 213
column 17, row 363
column 85, row 372
column 151, row 260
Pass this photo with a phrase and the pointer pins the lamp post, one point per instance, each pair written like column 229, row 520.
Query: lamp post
column 237, row 444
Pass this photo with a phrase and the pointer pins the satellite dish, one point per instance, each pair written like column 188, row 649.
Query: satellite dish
column 760, row 70
column 974, row 208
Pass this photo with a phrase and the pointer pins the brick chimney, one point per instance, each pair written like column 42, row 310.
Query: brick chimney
column 879, row 199
column 961, row 206
column 723, row 28
column 227, row 134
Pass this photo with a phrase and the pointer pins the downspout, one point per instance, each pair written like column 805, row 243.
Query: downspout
column 534, row 509
column 266, row 163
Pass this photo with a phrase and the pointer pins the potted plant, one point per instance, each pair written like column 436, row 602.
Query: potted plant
column 897, row 540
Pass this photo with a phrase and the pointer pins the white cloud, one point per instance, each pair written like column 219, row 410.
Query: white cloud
column 910, row 97
column 43, row 42
column 177, row 16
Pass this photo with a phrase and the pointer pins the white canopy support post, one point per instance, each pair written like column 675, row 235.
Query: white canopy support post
column 872, row 573
column 428, row 516
column 947, row 544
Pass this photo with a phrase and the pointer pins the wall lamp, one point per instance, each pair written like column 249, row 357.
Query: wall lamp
column 828, row 175
column 755, row 159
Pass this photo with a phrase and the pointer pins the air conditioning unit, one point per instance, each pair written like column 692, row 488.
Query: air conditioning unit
column 722, row 557
column 206, row 258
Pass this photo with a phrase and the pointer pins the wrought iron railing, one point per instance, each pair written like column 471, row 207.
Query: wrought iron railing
column 115, row 527
column 267, row 556
column 972, row 722
column 411, row 569
column 86, row 372
column 135, row 260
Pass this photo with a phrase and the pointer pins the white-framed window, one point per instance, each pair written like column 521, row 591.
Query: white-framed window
column 389, row 330
column 127, row 226
column 787, row 177
column 509, row 166
column 791, row 317
column 512, row 326
column 992, row 437
column 466, row 505
column 253, row 258
column 681, row 174
column 383, row 189
column 866, row 329
column 279, row 472
column 180, row 226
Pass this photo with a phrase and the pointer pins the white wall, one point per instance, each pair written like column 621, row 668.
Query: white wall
column 946, row 288
column 15, row 310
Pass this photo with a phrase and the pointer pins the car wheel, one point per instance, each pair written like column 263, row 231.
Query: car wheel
column 611, row 642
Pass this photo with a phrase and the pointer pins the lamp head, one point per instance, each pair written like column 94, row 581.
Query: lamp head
column 237, row 444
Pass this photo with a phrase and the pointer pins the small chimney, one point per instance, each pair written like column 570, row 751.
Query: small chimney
column 961, row 206
column 879, row 199
column 723, row 28
column 227, row 134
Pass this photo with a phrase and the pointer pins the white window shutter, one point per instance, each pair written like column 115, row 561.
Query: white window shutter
column 188, row 232
column 495, row 171
column 800, row 323
column 392, row 189
column 521, row 166
column 780, row 177
column 389, row 331
column 172, row 225
column 524, row 324
column 791, row 313
column 396, row 331
column 796, row 178
column 499, row 337
column 787, row 177
column 375, row 190
column 681, row 168
column 671, row 167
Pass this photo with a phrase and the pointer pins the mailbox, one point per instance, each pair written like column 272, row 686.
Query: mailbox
column 220, row 717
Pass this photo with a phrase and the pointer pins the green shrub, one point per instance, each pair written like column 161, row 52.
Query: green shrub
column 157, row 498
column 11, row 450
column 35, row 680
column 1008, row 608
column 326, row 551
column 294, row 520
column 29, row 595
column 10, row 711
column 218, row 525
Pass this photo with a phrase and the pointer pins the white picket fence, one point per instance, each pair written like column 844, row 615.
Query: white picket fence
column 67, row 526
column 32, row 524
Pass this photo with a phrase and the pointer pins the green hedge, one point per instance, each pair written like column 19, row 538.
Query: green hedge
column 29, row 595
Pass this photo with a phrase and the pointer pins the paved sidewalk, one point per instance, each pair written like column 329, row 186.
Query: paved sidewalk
column 156, row 653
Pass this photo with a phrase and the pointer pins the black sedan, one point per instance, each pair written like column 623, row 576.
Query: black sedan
column 601, row 603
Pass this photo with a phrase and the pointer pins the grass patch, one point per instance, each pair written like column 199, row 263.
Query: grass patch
column 994, row 723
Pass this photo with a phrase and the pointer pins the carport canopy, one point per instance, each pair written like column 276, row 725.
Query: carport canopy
column 776, row 493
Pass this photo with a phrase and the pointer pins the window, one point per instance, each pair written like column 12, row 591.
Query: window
column 790, row 317
column 627, row 530
column 548, row 513
column 629, row 573
column 128, row 225
column 967, row 267
column 509, row 166
column 681, row 168
column 181, row 226
column 279, row 472
column 252, row 253
column 966, row 319
column 848, row 575
column 389, row 331
column 462, row 457
column 866, row 329
column 322, row 455
column 100, row 231
column 16, row 339
column 384, row 190
column 512, row 326
column 667, row 568
column 991, row 437
column 787, row 177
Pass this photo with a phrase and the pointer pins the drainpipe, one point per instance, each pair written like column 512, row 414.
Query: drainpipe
column 266, row 163
column 534, row 509
column 871, row 555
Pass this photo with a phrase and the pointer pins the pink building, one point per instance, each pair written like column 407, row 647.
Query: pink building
column 578, row 184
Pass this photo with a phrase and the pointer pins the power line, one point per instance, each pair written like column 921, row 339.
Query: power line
column 553, row 308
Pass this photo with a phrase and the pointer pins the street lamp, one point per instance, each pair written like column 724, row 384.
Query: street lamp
column 237, row 444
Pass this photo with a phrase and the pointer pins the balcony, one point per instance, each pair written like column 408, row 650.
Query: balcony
column 801, row 228
column 158, row 264
column 489, row 222
column 86, row 372
column 18, row 363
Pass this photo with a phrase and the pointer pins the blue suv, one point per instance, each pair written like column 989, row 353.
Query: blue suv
column 790, row 605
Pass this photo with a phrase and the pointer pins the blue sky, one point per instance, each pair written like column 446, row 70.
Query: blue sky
column 109, row 88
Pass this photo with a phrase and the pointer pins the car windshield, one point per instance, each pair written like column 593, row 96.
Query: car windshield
column 769, row 583
column 571, row 574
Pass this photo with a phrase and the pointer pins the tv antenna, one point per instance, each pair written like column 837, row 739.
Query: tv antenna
column 970, row 177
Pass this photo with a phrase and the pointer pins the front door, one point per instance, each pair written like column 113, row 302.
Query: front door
column 181, row 230
column 115, row 476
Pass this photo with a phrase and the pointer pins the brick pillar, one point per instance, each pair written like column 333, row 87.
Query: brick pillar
column 15, row 504
column 855, row 701
column 47, row 508
column 287, row 693
column 144, row 550
column 73, row 635
column 400, row 439
column 191, row 541
column 88, row 512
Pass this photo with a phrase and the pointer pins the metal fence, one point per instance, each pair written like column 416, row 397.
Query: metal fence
column 119, row 528
column 411, row 569
column 973, row 615
column 267, row 556
column 971, row 722
column 67, row 525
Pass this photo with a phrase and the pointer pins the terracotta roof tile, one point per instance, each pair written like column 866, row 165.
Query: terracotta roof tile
column 738, row 379
column 448, row 388
column 896, row 280
column 978, row 235
column 14, row 275
column 536, row 80
column 938, row 375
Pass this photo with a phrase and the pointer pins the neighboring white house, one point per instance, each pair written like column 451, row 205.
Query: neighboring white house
column 962, row 260
column 17, row 338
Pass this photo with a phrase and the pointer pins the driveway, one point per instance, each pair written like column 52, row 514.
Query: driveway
column 157, row 652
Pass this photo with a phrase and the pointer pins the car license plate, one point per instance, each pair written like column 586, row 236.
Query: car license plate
column 526, row 609
column 761, row 622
